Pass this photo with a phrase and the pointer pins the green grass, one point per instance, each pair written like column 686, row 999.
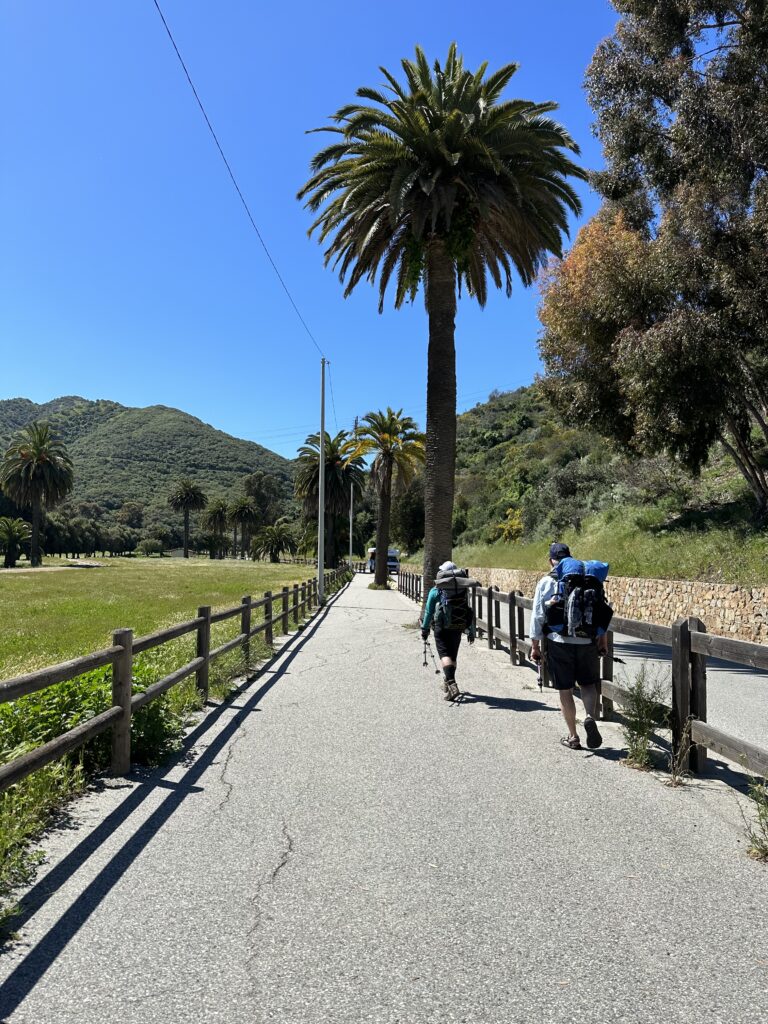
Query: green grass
column 50, row 617
column 636, row 542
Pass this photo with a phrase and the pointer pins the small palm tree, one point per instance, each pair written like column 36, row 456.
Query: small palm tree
column 399, row 449
column 344, row 473
column 36, row 473
column 13, row 533
column 440, row 182
column 186, row 497
column 244, row 513
column 271, row 541
column 215, row 521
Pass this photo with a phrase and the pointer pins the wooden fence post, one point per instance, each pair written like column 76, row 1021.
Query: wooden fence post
column 295, row 604
column 489, row 610
column 681, row 691
column 546, row 678
column 606, row 672
column 698, row 696
column 303, row 600
column 474, row 610
column 245, row 628
column 268, row 618
column 122, row 676
column 497, row 618
column 284, row 626
column 511, row 628
column 204, row 650
column 520, row 626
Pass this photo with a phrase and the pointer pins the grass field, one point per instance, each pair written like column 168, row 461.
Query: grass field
column 46, row 617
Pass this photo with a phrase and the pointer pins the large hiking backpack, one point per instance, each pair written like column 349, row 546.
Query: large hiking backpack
column 454, row 611
column 580, row 607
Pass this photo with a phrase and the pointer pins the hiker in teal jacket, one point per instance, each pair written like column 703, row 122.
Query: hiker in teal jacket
column 448, row 633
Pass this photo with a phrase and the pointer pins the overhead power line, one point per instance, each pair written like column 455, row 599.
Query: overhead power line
column 234, row 181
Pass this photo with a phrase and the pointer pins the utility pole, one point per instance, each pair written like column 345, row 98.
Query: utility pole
column 351, row 507
column 321, row 495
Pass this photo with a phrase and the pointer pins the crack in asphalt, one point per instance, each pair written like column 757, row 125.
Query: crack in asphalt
column 289, row 848
column 239, row 735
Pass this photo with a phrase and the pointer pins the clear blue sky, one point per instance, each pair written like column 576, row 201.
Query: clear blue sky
column 128, row 270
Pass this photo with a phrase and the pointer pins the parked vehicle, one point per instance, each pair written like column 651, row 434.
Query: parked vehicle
column 393, row 560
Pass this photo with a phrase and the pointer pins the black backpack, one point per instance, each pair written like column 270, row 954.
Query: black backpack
column 580, row 607
column 454, row 611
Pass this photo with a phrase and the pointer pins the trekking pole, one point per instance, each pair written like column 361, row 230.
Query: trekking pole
column 428, row 647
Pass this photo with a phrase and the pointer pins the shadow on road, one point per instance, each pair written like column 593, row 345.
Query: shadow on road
column 505, row 703
column 37, row 961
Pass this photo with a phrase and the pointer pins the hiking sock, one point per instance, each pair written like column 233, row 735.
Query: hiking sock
column 449, row 671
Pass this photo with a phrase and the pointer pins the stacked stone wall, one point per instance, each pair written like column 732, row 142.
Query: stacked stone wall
column 725, row 609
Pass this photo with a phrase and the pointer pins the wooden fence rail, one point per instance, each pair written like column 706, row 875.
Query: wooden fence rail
column 297, row 602
column 500, row 618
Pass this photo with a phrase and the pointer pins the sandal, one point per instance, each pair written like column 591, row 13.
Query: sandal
column 571, row 741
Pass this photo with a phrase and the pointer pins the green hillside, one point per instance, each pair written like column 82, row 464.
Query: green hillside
column 124, row 454
column 524, row 477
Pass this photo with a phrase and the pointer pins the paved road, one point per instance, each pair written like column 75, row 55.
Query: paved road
column 342, row 846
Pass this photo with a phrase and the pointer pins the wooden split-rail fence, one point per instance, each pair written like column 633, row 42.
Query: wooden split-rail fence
column 292, row 604
column 500, row 619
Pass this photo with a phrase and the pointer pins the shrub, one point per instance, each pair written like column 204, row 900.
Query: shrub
column 642, row 713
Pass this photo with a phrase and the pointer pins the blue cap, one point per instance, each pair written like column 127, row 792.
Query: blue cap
column 559, row 551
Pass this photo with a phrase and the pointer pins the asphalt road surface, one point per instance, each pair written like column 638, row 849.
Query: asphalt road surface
column 340, row 845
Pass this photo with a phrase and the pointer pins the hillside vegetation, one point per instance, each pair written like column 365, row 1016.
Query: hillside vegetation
column 123, row 454
column 525, row 477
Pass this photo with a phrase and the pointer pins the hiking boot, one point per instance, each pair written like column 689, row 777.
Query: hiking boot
column 453, row 692
column 594, row 739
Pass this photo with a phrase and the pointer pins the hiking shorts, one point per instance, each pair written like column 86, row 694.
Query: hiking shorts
column 570, row 664
column 447, row 642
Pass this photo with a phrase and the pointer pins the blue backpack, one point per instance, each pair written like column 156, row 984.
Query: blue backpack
column 580, row 607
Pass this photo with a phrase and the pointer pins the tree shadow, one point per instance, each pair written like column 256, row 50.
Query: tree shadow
column 36, row 962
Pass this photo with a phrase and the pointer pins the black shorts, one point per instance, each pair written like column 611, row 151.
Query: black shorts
column 570, row 664
column 447, row 642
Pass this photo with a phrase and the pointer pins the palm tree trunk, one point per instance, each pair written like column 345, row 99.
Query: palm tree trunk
column 186, row 533
column 440, row 461
column 382, row 528
column 34, row 547
column 330, row 543
column 234, row 541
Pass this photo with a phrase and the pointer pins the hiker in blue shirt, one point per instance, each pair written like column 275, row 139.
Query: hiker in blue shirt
column 449, row 608
column 571, row 658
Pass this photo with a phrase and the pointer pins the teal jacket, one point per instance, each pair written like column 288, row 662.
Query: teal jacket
column 433, row 600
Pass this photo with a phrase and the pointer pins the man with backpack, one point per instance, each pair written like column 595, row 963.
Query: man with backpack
column 571, row 611
column 448, row 605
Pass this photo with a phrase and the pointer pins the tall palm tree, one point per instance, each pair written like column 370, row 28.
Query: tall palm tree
column 215, row 521
column 271, row 541
column 344, row 473
column 186, row 497
column 244, row 513
column 399, row 449
column 440, row 182
column 36, row 473
column 13, row 533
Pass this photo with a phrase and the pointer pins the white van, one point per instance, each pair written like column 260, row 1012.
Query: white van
column 393, row 560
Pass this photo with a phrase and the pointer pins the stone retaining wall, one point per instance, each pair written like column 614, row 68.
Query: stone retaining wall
column 725, row 609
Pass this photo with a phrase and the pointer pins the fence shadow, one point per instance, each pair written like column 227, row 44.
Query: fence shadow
column 36, row 962
column 505, row 703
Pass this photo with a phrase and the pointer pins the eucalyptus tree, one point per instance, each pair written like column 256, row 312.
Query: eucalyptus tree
column 14, row 533
column 679, row 92
column 399, row 452
column 37, row 473
column 186, row 497
column 440, row 182
column 344, row 475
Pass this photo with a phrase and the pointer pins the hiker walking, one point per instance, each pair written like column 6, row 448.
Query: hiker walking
column 570, row 610
column 449, row 609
